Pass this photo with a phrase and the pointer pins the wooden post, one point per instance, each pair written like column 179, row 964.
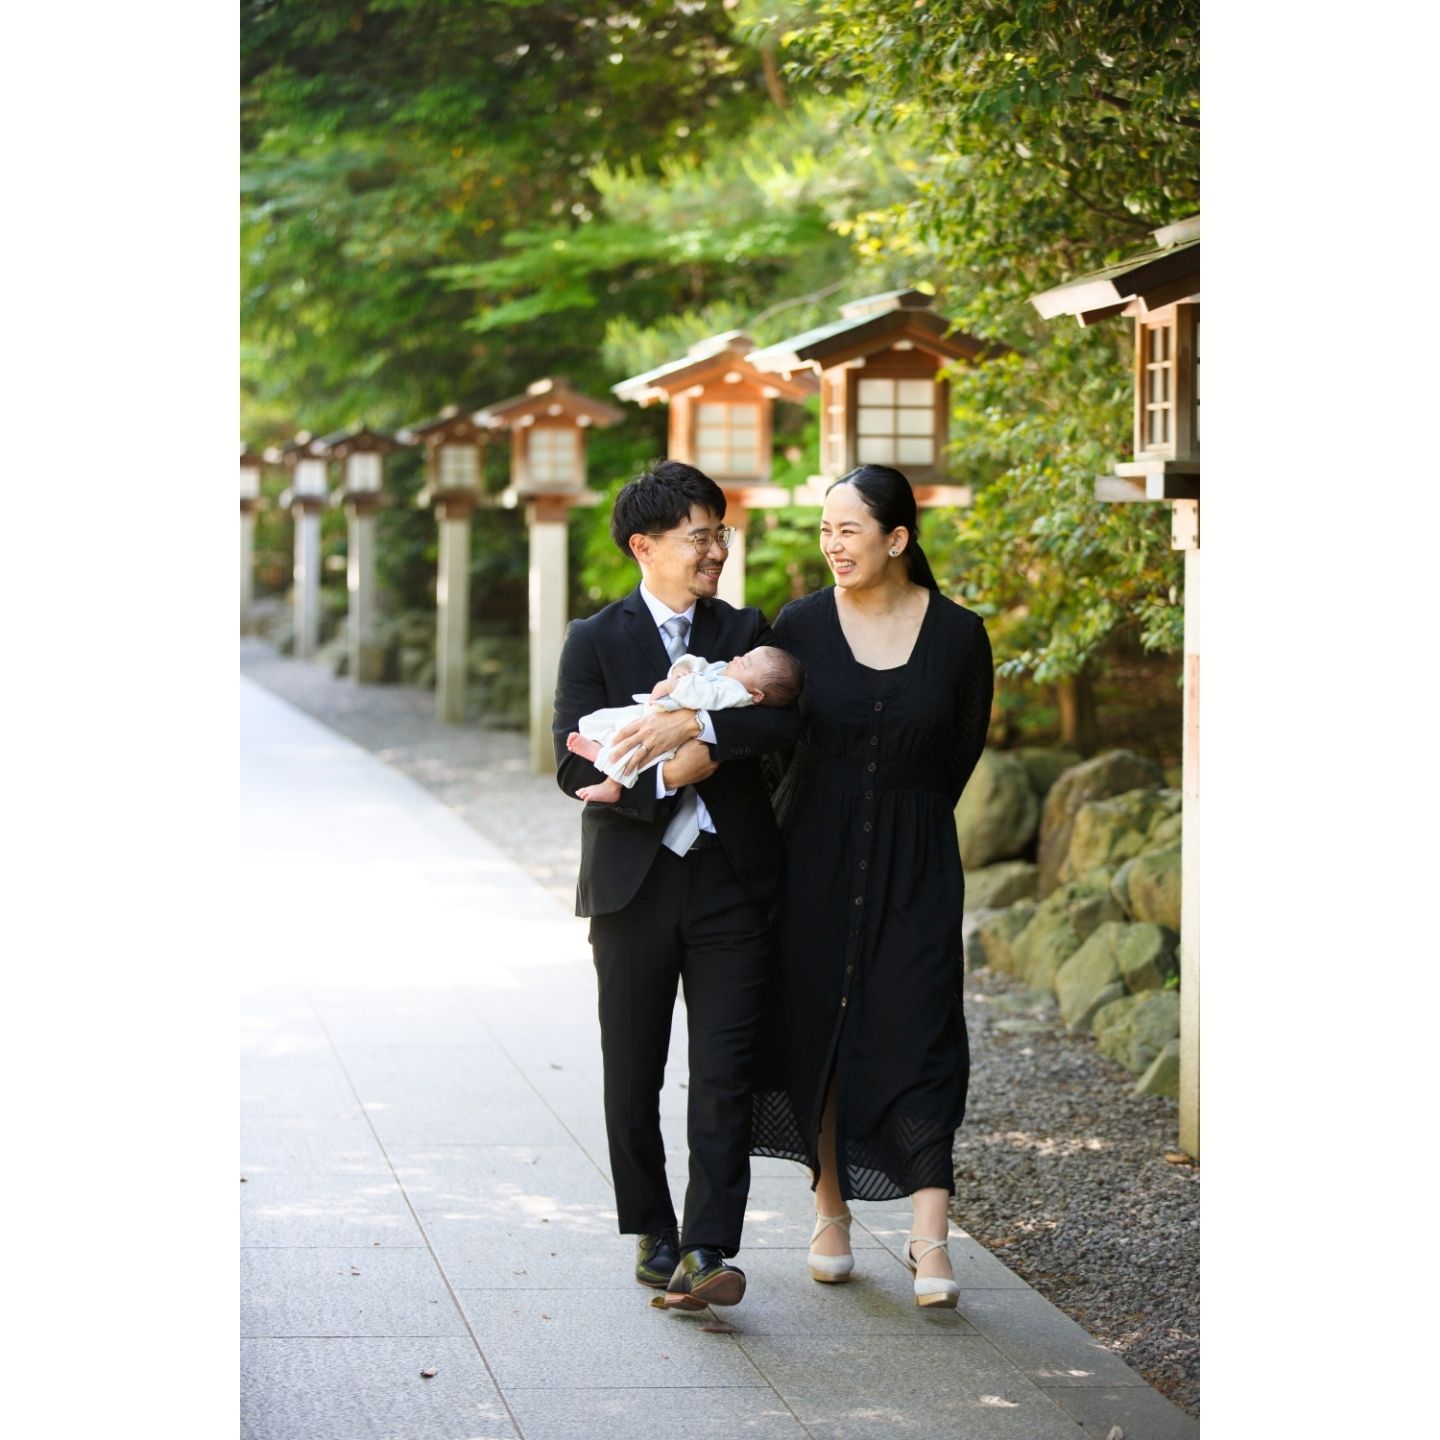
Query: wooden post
column 1186, row 522
column 307, row 579
column 247, row 567
column 548, row 519
column 732, row 577
column 452, row 596
column 365, row 654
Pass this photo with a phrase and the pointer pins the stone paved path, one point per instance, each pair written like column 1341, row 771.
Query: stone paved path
column 426, row 1183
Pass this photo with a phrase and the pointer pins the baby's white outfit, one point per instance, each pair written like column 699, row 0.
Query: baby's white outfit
column 703, row 685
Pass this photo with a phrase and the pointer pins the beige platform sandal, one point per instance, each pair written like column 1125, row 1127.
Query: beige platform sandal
column 930, row 1292
column 831, row 1269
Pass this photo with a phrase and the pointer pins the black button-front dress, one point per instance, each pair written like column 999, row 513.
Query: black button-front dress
column 868, row 965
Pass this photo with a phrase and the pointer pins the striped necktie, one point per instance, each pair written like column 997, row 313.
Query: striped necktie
column 680, row 834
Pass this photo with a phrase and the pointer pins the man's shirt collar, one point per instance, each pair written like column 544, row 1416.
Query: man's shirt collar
column 660, row 612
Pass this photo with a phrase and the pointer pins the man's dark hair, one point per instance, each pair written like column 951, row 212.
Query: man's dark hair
column 659, row 499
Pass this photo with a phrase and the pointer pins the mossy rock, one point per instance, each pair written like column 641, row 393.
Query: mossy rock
column 998, row 812
column 1148, row 956
column 996, row 886
column 1112, row 773
column 1093, row 968
column 1133, row 1030
column 1148, row 887
column 1045, row 766
column 1109, row 832
column 993, row 942
column 1162, row 1077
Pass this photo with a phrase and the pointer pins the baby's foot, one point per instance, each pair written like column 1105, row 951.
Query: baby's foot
column 577, row 744
column 605, row 793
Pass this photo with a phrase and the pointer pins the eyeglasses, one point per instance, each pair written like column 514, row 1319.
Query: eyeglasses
column 702, row 540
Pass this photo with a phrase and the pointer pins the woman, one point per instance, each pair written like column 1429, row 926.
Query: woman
column 864, row 1059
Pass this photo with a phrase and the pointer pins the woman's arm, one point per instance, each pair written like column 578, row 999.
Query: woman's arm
column 973, row 698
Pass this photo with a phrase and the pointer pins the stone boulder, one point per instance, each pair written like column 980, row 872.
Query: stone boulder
column 1147, row 957
column 1051, row 937
column 1112, row 773
column 993, row 942
column 1095, row 905
column 1093, row 970
column 1133, row 1030
column 998, row 811
column 1045, row 766
column 1148, row 887
column 1109, row 832
column 1163, row 1075
column 995, row 886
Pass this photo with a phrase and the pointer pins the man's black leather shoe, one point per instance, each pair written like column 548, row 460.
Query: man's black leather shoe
column 656, row 1257
column 703, row 1278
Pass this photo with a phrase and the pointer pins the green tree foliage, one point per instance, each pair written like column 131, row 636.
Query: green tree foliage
column 1057, row 133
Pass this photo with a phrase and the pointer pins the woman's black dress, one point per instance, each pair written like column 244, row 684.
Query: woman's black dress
column 868, row 964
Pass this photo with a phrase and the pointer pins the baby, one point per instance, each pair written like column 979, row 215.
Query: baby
column 763, row 676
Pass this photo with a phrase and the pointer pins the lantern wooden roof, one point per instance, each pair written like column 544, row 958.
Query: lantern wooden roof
column 451, row 426
column 303, row 447
column 250, row 458
column 873, row 322
column 360, row 441
column 1164, row 275
column 716, row 358
column 550, row 398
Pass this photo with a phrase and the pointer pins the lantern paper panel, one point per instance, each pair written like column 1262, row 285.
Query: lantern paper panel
column 727, row 438
column 249, row 482
column 310, row 479
column 895, row 422
column 554, row 456
column 362, row 472
column 459, row 468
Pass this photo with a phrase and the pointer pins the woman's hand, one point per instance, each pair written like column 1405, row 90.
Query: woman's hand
column 653, row 734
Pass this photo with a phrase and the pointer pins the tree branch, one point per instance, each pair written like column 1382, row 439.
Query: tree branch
column 773, row 82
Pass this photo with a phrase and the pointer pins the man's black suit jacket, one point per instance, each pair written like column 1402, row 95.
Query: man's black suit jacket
column 618, row 654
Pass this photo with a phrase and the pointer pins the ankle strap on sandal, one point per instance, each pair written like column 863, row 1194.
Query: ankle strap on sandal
column 929, row 1245
column 824, row 1222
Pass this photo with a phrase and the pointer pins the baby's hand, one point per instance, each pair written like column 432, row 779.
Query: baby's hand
column 607, row 792
column 664, row 687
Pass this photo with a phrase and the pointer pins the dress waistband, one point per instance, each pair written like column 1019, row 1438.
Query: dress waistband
column 853, row 772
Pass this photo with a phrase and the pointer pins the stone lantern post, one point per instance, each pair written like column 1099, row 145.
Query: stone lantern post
column 362, row 452
column 547, row 425
column 251, row 468
column 307, row 496
column 454, row 449
column 721, row 409
column 1160, row 289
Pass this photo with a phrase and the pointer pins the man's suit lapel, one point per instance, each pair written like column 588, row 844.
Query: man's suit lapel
column 640, row 626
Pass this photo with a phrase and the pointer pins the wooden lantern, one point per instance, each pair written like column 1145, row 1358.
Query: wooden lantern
column 454, row 447
column 361, row 452
column 548, row 425
column 721, row 422
column 1160, row 289
column 306, row 497
column 882, row 398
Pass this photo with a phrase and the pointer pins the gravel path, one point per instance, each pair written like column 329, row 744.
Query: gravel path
column 1059, row 1169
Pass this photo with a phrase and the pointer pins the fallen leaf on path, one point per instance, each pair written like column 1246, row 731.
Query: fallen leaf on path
column 1116, row 1433
column 429, row 1372
column 719, row 1327
column 1175, row 1157
column 657, row 1302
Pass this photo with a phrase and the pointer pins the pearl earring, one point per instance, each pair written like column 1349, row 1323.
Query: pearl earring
column 894, row 554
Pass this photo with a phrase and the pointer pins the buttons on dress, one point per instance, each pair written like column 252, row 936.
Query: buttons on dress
column 879, row 705
column 874, row 739
column 871, row 767
column 859, row 899
column 864, row 863
column 869, row 794
column 867, row 825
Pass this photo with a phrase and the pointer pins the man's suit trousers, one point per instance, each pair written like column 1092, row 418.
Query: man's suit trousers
column 691, row 922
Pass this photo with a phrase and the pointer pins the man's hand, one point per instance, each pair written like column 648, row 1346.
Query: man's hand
column 654, row 734
column 691, row 762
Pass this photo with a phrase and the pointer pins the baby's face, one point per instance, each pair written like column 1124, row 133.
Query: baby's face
column 746, row 668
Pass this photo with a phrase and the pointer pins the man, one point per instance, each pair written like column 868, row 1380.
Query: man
column 677, row 877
